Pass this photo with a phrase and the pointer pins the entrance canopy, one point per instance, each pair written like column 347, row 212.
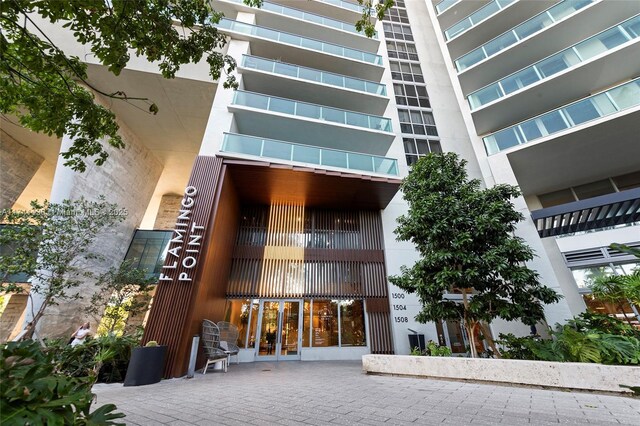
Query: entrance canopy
column 262, row 183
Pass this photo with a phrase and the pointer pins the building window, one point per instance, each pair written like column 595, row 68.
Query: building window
column 352, row 329
column 238, row 312
column 590, row 190
column 325, row 323
column 406, row 71
column 411, row 95
column 397, row 31
column 417, row 122
column 586, row 277
column 401, row 50
column 397, row 15
column 416, row 148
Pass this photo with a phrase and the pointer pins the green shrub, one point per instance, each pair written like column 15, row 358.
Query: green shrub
column 578, row 342
column 35, row 391
column 432, row 349
column 105, row 357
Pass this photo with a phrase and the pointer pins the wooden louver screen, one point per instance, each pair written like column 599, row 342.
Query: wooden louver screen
column 290, row 251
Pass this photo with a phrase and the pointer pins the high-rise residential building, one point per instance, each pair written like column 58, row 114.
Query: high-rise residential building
column 550, row 94
column 273, row 206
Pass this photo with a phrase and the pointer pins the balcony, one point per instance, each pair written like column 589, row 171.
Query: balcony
column 594, row 213
column 336, row 9
column 450, row 11
column 272, row 15
column 444, row 5
column 599, row 61
column 321, row 87
column 489, row 21
column 300, row 122
column 473, row 19
column 293, row 152
column 562, row 25
column 269, row 43
column 620, row 98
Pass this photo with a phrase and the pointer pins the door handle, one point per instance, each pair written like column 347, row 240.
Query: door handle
column 280, row 315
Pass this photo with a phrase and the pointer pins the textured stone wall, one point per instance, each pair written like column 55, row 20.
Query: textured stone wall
column 18, row 164
column 12, row 315
column 168, row 211
column 128, row 178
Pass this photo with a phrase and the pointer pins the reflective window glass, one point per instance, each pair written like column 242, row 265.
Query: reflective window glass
column 325, row 323
column 352, row 331
column 237, row 312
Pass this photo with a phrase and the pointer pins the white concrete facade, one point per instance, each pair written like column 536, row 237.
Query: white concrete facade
column 195, row 113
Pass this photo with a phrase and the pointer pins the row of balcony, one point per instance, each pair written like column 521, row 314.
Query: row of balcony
column 298, row 41
column 306, row 154
column 290, row 130
column 307, row 16
column 620, row 98
column 526, row 29
column 313, row 75
column 623, row 34
column 313, row 111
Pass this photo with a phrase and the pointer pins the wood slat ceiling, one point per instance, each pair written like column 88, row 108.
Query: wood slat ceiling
column 265, row 183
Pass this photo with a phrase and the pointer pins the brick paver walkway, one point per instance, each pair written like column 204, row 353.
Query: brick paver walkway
column 320, row 393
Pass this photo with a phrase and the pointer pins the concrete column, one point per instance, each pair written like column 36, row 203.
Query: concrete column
column 128, row 179
column 168, row 211
column 12, row 316
column 548, row 262
column 220, row 119
column 18, row 164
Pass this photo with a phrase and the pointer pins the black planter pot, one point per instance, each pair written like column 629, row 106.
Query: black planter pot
column 146, row 365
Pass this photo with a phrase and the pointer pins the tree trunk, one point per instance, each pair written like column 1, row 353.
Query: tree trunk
column 31, row 326
column 469, row 325
column 486, row 331
column 621, row 307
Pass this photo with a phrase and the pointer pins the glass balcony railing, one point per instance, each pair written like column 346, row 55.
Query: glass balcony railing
column 305, row 16
column 311, row 74
column 444, row 5
column 517, row 33
column 344, row 4
column 295, row 40
column 269, row 148
column 568, row 58
column 318, row 112
column 481, row 14
column 617, row 99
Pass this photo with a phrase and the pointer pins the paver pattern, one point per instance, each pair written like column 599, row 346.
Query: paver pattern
column 338, row 393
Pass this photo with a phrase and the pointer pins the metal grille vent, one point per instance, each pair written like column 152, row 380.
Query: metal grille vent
column 584, row 255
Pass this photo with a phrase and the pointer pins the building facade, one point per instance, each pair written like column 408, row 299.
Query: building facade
column 273, row 206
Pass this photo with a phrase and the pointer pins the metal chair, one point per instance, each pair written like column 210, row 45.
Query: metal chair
column 229, row 335
column 211, row 343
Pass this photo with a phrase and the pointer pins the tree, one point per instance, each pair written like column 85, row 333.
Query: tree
column 51, row 244
column 123, row 292
column 464, row 236
column 618, row 290
column 45, row 88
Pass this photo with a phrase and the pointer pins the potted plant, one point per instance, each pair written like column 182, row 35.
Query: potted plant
column 146, row 365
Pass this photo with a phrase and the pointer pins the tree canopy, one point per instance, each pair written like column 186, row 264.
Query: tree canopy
column 51, row 244
column 465, row 238
column 47, row 89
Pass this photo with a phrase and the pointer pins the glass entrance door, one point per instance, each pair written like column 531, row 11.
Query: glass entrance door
column 280, row 337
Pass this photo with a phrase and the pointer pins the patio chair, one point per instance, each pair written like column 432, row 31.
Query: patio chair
column 229, row 339
column 211, row 343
